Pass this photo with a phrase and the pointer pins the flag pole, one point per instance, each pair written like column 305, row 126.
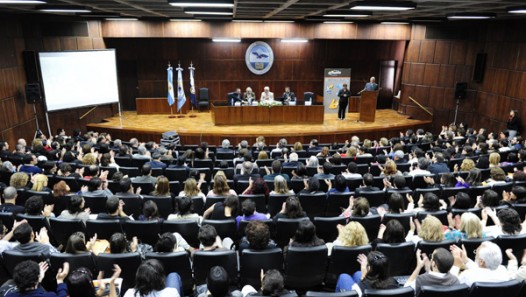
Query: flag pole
column 171, row 116
column 179, row 69
column 192, row 87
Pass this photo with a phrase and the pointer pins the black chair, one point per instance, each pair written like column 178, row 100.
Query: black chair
column 199, row 205
column 240, row 186
column 36, row 222
column 259, row 200
column 176, row 262
column 441, row 215
column 343, row 260
column 419, row 183
column 7, row 219
column 510, row 288
column 400, row 292
column 146, row 188
column 63, row 228
column 375, row 198
column 204, row 100
column 275, row 203
column 403, row 218
column 401, row 256
column 224, row 228
column 252, row 261
column 472, row 245
column 176, row 174
column 61, row 203
column 521, row 209
column 75, row 261
column 103, row 228
column 175, row 187
column 451, row 191
column 500, row 187
column 461, row 290
column 305, row 266
column 423, row 191
column 459, row 211
column 515, row 242
column 204, row 260
column 297, row 185
column 128, row 262
column 313, row 204
column 130, row 171
column 72, row 182
column 156, row 172
column 212, row 200
column 428, row 247
column 354, row 183
column 326, row 227
column 476, row 191
column 331, row 294
column 123, row 161
column 132, row 205
column 12, row 258
column 336, row 203
column 164, row 204
column 95, row 204
column 187, row 228
column 285, row 230
column 146, row 231
column 371, row 224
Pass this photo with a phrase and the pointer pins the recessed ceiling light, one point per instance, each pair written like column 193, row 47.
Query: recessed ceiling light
column 100, row 15
column 426, row 20
column 208, row 11
column 295, row 40
column 247, row 21
column 184, row 20
column 347, row 14
column 383, row 5
column 471, row 16
column 226, row 40
column 201, row 3
column 278, row 21
column 63, row 8
column 338, row 22
column 122, row 19
column 394, row 23
column 22, row 2
column 517, row 9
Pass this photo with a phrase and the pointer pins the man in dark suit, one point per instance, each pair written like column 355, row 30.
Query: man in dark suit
column 367, row 185
column 235, row 97
column 344, row 95
column 9, row 205
column 439, row 165
column 288, row 95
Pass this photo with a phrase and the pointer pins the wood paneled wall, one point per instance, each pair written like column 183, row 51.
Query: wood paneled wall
column 221, row 66
column 432, row 67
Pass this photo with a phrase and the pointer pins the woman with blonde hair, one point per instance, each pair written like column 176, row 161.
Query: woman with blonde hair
column 19, row 180
column 352, row 234
column 324, row 153
column 280, row 186
column 351, row 152
column 262, row 155
column 297, row 146
column 89, row 159
column 390, row 169
column 221, row 187
column 162, row 187
column 494, row 160
column 192, row 188
column 431, row 229
column 470, row 227
column 466, row 165
column 40, row 183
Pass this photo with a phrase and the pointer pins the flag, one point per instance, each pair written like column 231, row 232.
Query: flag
column 181, row 98
column 170, row 86
column 193, row 99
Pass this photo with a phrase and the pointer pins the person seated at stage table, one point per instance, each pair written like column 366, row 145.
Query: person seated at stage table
column 249, row 95
column 235, row 97
column 371, row 85
column 267, row 95
column 288, row 95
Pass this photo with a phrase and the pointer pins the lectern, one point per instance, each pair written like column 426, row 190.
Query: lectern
column 368, row 106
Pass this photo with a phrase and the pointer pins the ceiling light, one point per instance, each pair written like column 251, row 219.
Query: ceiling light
column 347, row 14
column 63, row 8
column 426, row 20
column 247, row 21
column 383, row 5
column 295, row 40
column 394, row 23
column 517, row 9
column 122, row 19
column 184, row 20
column 22, row 2
column 100, row 15
column 471, row 16
column 338, row 22
column 226, row 40
column 278, row 21
column 208, row 11
column 201, row 3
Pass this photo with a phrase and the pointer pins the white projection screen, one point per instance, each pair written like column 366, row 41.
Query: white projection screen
column 75, row 79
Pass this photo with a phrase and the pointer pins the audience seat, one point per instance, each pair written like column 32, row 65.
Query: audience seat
column 253, row 261
column 313, row 204
column 188, row 229
column 472, row 245
column 305, row 267
column 461, row 290
column 401, row 257
column 132, row 206
column 128, row 262
column 275, row 203
column 204, row 260
column 176, row 262
column 164, row 204
column 515, row 242
column 224, row 228
column 259, row 200
column 428, row 247
column 331, row 294
column 441, row 215
column 63, row 228
column 7, row 219
column 146, row 231
column 400, row 292
column 336, row 203
column 103, row 228
column 343, row 260
column 95, row 204
column 130, row 171
column 36, row 222
column 285, row 230
column 375, row 198
column 326, row 227
column 403, row 218
column 176, row 174
column 75, row 261
column 510, row 288
column 371, row 224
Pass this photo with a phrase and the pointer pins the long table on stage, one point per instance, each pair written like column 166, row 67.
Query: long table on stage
column 235, row 115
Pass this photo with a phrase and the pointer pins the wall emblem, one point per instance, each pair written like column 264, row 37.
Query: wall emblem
column 259, row 57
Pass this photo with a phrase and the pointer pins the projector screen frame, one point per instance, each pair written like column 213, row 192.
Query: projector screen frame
column 92, row 106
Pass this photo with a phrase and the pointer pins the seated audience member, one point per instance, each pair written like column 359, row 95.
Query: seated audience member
column 325, row 171
column 421, row 168
column 146, row 171
column 34, row 206
column 352, row 234
column 28, row 275
column 172, row 242
column 6, row 243
column 373, row 274
column 305, row 235
column 150, row 212
column 507, row 222
column 393, row 232
column 80, row 283
column 185, row 210
column 517, row 195
column 96, row 188
column 142, row 153
column 30, row 165
column 340, row 185
column 114, row 210
column 257, row 187
column 460, row 201
column 469, row 227
column 26, row 238
column 276, row 170
column 223, row 210
column 162, row 187
column 9, row 205
column 280, row 186
column 76, row 244
column 518, row 273
column 437, row 270
column 431, row 229
column 358, row 207
column 300, row 173
column 367, row 185
column 291, row 161
column 428, row 202
column 210, row 241
column 247, row 170
column 156, row 161
column 291, row 209
column 312, row 186
column 40, row 183
column 272, row 284
column 221, row 187
column 257, row 237
column 126, row 189
column 249, row 213
column 486, row 267
column 151, row 280
column 389, row 169
column 439, row 165
column 217, row 285
column 75, row 209
column 19, row 180
column 352, row 171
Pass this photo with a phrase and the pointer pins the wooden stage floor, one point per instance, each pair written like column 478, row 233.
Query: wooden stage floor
column 193, row 130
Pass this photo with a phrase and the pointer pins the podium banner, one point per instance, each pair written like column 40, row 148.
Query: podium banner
column 334, row 78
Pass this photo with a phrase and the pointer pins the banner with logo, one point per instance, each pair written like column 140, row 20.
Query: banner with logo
column 334, row 78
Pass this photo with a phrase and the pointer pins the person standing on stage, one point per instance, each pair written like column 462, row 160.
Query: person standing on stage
column 266, row 95
column 344, row 95
column 514, row 124
column 249, row 96
column 371, row 85
column 288, row 96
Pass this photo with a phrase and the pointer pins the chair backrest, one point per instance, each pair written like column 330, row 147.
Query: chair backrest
column 187, row 228
column 343, row 260
column 428, row 247
column 224, row 228
column 103, row 228
column 75, row 261
column 313, row 204
column 332, row 294
column 399, row 292
column 371, row 224
column 176, row 174
column 401, row 256
column 95, row 204
column 521, row 209
column 403, row 218
column 275, row 203
column 176, row 262
column 212, row 200
column 510, row 288
column 326, row 227
column 204, row 260
column 441, row 215
column 203, row 94
column 461, row 290
column 305, row 266
column 164, row 204
column 515, row 242
column 308, row 96
column 146, row 231
column 336, row 203
column 146, row 188
column 7, row 219
column 128, row 262
column 12, row 258
column 375, row 198
column 63, row 228
column 252, row 261
column 36, row 222
column 132, row 205
column 285, row 230
column 472, row 245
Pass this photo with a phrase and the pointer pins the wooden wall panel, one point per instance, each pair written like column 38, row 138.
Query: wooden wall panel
column 427, row 51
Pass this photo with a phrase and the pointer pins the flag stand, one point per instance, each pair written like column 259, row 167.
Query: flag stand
column 171, row 116
column 192, row 89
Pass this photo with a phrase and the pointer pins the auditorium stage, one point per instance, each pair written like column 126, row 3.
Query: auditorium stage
column 193, row 130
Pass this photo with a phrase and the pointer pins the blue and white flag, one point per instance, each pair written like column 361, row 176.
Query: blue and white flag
column 193, row 99
column 181, row 97
column 170, row 86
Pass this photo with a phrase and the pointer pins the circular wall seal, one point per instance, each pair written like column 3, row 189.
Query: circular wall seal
column 259, row 57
